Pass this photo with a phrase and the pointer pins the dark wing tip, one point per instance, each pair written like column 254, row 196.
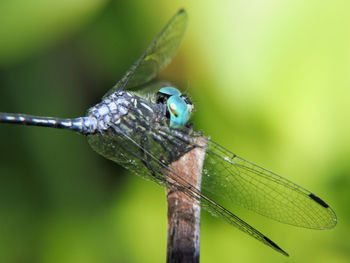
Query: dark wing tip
column 332, row 217
column 274, row 245
column 318, row 200
column 181, row 12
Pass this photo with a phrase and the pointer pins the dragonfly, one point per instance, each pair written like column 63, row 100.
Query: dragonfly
column 143, row 124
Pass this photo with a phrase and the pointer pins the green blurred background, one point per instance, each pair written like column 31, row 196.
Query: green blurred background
column 269, row 79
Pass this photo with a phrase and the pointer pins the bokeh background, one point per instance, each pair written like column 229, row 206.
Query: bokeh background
column 269, row 79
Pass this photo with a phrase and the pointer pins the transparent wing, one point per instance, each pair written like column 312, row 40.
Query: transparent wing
column 228, row 176
column 147, row 154
column 157, row 55
column 161, row 174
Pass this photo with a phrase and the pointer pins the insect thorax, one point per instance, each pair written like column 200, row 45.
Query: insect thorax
column 134, row 132
column 123, row 112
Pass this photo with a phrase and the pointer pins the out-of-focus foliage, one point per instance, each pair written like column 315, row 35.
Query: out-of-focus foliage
column 269, row 80
column 29, row 26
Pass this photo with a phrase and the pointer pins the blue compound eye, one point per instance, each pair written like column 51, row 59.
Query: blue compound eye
column 170, row 91
column 179, row 111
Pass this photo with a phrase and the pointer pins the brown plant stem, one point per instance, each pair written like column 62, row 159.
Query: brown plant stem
column 183, row 211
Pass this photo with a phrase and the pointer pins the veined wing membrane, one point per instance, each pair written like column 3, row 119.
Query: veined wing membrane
column 157, row 56
column 162, row 173
column 228, row 176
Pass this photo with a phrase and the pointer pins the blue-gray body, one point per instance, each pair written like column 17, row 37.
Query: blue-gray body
column 124, row 127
